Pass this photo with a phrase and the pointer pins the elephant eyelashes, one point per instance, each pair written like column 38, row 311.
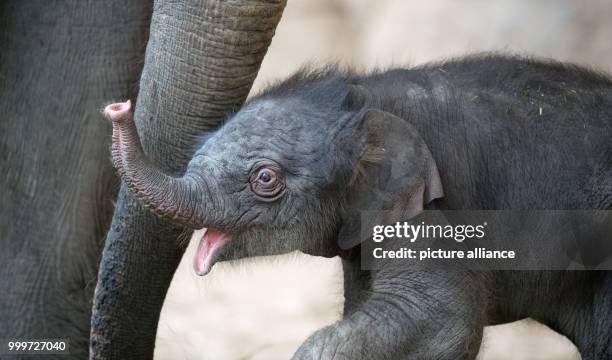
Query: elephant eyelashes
column 266, row 182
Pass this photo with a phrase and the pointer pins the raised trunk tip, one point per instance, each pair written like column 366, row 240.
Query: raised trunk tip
column 118, row 112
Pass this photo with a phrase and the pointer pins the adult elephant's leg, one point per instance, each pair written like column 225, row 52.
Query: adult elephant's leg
column 59, row 62
column 408, row 314
column 200, row 63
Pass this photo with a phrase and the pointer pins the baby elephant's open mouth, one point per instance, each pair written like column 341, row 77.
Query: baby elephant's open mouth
column 208, row 249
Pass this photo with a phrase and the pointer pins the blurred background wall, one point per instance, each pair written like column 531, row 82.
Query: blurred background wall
column 264, row 308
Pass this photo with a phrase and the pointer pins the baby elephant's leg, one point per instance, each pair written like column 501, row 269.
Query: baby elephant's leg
column 596, row 344
column 408, row 315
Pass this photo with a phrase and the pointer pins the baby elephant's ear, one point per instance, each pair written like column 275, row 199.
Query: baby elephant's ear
column 395, row 172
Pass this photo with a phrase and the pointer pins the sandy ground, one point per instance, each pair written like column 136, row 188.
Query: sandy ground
column 264, row 308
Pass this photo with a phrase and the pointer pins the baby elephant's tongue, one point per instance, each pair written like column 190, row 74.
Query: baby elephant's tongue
column 210, row 244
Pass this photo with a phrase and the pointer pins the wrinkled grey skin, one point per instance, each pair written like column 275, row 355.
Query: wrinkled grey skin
column 201, row 60
column 59, row 60
column 341, row 143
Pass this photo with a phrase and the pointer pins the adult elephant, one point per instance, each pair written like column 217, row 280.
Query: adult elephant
column 200, row 63
column 60, row 61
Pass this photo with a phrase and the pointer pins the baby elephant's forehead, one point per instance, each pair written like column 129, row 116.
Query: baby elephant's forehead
column 264, row 121
column 274, row 105
column 288, row 115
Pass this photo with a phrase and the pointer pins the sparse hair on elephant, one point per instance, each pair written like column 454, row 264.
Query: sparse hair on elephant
column 294, row 168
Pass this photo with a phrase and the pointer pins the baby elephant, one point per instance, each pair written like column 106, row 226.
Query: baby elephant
column 296, row 166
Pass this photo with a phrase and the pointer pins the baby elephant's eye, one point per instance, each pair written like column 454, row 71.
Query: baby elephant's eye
column 266, row 176
column 267, row 183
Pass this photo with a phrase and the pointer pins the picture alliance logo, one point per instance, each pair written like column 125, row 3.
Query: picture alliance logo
column 414, row 232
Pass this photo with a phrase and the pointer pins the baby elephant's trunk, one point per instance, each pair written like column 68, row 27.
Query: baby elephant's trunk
column 172, row 198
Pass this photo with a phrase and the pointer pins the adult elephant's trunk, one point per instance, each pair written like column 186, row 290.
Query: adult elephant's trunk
column 169, row 197
column 200, row 63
